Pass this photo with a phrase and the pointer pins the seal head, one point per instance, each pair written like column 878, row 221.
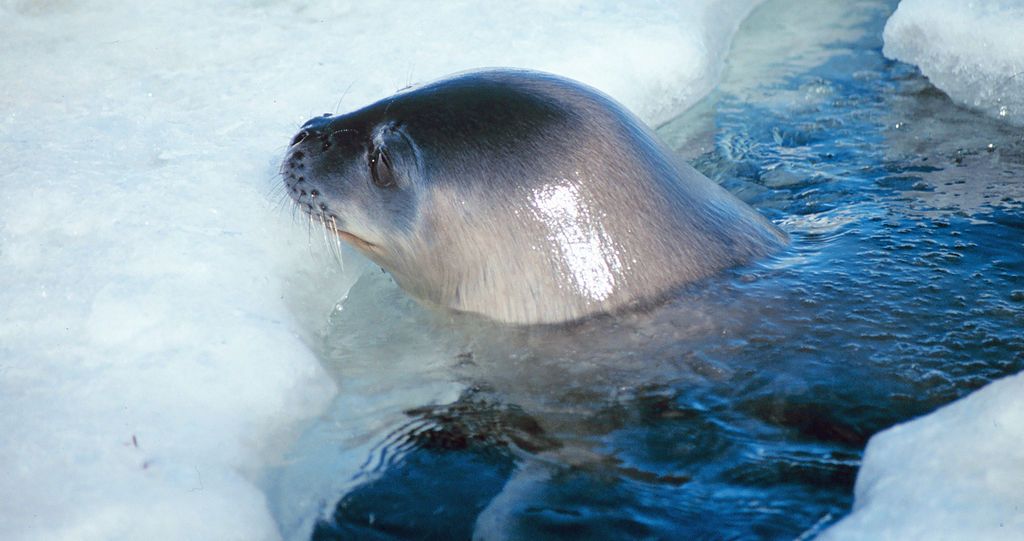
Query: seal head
column 523, row 196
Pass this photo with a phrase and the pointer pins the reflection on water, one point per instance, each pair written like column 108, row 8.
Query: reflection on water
column 741, row 409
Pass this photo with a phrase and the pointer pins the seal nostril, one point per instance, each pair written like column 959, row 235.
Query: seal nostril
column 299, row 137
column 298, row 155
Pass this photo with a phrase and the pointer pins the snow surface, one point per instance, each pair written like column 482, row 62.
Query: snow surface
column 972, row 51
column 159, row 309
column 953, row 474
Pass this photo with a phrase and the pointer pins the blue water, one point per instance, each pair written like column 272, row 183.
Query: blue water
column 746, row 418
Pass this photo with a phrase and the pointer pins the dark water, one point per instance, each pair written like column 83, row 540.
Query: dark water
column 903, row 291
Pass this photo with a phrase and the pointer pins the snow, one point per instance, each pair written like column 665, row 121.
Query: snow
column 953, row 474
column 159, row 307
column 972, row 51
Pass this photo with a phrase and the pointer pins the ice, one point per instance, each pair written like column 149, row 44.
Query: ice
column 972, row 51
column 953, row 474
column 160, row 308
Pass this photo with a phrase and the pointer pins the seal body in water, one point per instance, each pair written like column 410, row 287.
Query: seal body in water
column 519, row 195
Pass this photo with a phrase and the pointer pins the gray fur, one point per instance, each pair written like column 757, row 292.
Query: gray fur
column 522, row 196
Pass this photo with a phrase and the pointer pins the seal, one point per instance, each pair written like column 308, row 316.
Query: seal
column 523, row 196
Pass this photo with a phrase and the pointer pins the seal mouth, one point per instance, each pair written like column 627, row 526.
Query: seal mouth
column 357, row 242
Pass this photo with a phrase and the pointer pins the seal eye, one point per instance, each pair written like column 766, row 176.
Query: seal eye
column 380, row 169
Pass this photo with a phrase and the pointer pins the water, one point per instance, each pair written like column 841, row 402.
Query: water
column 742, row 409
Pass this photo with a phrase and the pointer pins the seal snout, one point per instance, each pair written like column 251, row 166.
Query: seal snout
column 293, row 170
column 305, row 149
column 299, row 137
column 318, row 122
column 313, row 127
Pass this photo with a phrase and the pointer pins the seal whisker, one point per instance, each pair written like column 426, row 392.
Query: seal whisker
column 408, row 79
column 309, row 230
column 279, row 193
column 330, row 235
column 328, row 242
column 276, row 184
column 284, row 199
column 337, row 243
column 323, row 230
column 329, row 229
column 278, row 203
column 275, row 189
column 337, row 107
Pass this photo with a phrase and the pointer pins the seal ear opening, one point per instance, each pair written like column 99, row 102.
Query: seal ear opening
column 380, row 169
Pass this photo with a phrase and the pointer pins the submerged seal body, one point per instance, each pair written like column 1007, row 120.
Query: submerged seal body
column 519, row 195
